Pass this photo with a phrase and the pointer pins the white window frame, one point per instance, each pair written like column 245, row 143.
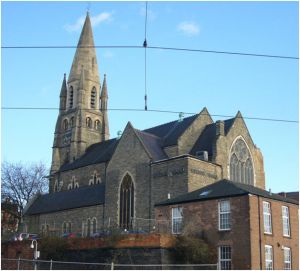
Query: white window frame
column 267, row 215
column 268, row 257
column 227, row 260
column 177, row 219
column 286, row 228
column 226, row 214
column 287, row 258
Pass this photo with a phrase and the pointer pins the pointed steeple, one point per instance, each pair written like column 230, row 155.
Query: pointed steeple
column 104, row 98
column 63, row 94
column 104, row 88
column 82, row 79
column 85, row 55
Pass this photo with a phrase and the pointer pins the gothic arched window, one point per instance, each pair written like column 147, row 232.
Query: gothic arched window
column 72, row 122
column 94, row 225
column 71, row 97
column 88, row 230
column 93, row 98
column 241, row 166
column 64, row 228
column 97, row 125
column 88, row 122
column 126, row 202
column 65, row 124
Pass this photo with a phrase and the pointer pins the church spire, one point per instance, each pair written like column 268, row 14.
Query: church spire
column 85, row 55
column 63, row 94
column 104, row 98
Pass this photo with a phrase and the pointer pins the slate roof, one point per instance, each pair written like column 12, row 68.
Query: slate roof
column 224, row 189
column 80, row 197
column 205, row 140
column 96, row 153
column 154, row 140
column 153, row 145
column 171, row 131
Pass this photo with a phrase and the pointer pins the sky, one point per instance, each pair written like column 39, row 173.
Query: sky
column 176, row 80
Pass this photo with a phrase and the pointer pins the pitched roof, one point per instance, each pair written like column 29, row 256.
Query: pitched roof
column 205, row 140
column 153, row 145
column 223, row 189
column 96, row 153
column 80, row 197
column 171, row 131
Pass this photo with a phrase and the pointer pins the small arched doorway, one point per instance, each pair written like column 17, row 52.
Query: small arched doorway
column 126, row 202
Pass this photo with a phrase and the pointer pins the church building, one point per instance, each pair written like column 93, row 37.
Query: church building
column 97, row 182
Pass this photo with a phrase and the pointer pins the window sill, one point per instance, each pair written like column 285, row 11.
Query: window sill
column 287, row 236
column 224, row 230
column 268, row 233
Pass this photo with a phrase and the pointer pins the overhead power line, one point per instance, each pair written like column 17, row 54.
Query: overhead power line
column 145, row 46
column 157, row 111
column 155, row 47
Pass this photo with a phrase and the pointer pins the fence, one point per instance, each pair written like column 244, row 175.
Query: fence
column 24, row 264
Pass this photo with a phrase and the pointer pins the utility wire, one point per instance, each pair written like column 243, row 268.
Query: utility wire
column 145, row 46
column 154, row 47
column 157, row 111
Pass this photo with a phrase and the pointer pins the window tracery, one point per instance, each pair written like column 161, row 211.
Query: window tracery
column 126, row 202
column 241, row 166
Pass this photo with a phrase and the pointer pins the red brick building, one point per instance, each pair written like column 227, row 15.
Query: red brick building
column 249, row 227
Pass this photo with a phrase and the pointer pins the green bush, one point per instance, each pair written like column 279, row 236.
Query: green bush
column 53, row 248
column 193, row 250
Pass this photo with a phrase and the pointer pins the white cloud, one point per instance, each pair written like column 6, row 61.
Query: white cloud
column 108, row 54
column 95, row 20
column 188, row 28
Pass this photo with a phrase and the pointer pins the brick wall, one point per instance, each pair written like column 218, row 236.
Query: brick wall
column 276, row 239
column 202, row 218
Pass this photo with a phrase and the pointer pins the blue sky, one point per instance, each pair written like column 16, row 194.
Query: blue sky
column 178, row 81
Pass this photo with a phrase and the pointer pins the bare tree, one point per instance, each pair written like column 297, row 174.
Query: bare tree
column 19, row 182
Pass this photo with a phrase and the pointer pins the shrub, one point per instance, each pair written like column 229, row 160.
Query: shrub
column 190, row 249
column 53, row 248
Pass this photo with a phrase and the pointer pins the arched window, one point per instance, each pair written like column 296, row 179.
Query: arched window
column 71, row 97
column 88, row 122
column 72, row 122
column 241, row 166
column 97, row 125
column 94, row 225
column 69, row 229
column 65, row 124
column 64, row 227
column 83, row 229
column 93, row 98
column 55, row 189
column 126, row 202
column 88, row 230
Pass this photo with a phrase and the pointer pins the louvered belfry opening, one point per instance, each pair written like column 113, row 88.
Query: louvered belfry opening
column 126, row 203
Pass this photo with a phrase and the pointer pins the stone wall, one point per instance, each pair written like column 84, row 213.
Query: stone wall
column 82, row 175
column 55, row 220
column 222, row 149
column 130, row 157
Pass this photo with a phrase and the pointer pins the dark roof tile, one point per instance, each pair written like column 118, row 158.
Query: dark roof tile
column 80, row 197
column 223, row 189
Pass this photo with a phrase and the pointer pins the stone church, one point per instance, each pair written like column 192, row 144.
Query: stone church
column 96, row 182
